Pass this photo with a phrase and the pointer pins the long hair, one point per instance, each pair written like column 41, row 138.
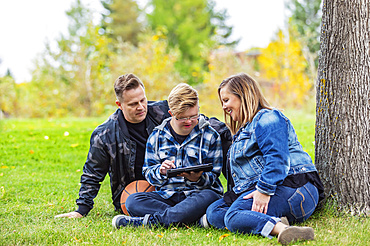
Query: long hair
column 252, row 100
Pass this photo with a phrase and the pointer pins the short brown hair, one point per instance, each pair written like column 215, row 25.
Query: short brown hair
column 181, row 98
column 126, row 82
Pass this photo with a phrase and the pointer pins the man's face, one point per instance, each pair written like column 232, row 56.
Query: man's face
column 134, row 105
column 185, row 122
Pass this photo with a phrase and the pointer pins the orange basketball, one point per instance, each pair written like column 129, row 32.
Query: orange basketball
column 134, row 187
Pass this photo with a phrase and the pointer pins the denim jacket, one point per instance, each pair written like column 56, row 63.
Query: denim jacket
column 202, row 146
column 265, row 151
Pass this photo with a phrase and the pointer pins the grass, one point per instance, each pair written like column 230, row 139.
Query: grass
column 41, row 163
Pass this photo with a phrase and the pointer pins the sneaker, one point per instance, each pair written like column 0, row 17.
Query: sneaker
column 295, row 233
column 203, row 221
column 284, row 220
column 124, row 220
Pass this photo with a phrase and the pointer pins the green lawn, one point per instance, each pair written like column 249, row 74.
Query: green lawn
column 40, row 166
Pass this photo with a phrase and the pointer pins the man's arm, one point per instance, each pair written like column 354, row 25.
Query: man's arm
column 94, row 172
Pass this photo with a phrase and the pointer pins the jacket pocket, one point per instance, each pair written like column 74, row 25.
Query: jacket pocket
column 192, row 156
column 303, row 202
column 241, row 143
column 167, row 153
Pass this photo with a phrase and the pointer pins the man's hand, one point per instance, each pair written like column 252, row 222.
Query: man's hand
column 192, row 176
column 260, row 201
column 166, row 165
column 73, row 214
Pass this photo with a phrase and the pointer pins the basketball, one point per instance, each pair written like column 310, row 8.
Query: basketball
column 134, row 187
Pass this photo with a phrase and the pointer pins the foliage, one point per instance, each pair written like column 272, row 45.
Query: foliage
column 304, row 25
column 153, row 62
column 283, row 64
column 40, row 168
column 8, row 95
column 73, row 79
column 223, row 62
column 77, row 79
column 193, row 27
column 121, row 22
column 305, row 19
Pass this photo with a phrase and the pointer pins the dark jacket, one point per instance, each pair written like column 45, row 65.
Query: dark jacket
column 112, row 151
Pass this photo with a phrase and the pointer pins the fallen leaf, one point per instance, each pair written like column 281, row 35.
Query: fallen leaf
column 189, row 228
column 4, row 166
column 160, row 235
column 74, row 145
column 32, row 152
column 222, row 237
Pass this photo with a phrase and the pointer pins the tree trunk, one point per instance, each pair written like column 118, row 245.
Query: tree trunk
column 343, row 108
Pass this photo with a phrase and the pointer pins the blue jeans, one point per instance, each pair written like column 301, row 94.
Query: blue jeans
column 297, row 204
column 176, row 209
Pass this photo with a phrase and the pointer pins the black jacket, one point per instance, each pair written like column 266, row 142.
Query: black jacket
column 112, row 151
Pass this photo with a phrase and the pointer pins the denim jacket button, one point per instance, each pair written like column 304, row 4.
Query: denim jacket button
column 239, row 188
column 303, row 169
column 234, row 175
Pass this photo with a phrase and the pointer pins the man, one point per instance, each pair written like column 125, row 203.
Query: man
column 117, row 146
column 185, row 140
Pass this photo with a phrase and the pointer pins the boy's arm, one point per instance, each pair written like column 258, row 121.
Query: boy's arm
column 152, row 164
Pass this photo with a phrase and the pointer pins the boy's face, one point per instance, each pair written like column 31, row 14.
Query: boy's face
column 184, row 123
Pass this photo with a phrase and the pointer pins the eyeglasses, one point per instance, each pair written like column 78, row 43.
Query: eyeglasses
column 195, row 117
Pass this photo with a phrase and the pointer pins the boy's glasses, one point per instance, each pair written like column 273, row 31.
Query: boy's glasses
column 195, row 117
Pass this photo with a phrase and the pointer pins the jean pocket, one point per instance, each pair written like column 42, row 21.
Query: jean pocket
column 303, row 202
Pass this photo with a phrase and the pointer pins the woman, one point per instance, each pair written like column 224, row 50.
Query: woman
column 270, row 175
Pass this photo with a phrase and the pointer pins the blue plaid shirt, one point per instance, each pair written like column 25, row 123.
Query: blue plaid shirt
column 202, row 146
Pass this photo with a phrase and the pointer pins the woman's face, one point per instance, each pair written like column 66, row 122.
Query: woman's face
column 230, row 103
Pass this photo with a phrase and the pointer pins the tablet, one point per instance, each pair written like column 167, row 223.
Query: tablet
column 174, row 172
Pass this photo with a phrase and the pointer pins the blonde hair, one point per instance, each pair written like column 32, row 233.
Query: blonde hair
column 126, row 82
column 181, row 98
column 252, row 100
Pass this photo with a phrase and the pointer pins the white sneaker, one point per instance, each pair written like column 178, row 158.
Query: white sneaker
column 203, row 221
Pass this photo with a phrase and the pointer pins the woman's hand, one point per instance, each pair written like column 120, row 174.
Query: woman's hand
column 167, row 164
column 260, row 201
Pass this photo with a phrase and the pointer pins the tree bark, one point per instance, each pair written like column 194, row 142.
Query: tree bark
column 342, row 148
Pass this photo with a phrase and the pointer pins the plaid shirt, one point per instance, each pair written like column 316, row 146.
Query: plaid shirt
column 202, row 146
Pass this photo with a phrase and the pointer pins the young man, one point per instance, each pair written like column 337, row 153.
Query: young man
column 117, row 146
column 186, row 139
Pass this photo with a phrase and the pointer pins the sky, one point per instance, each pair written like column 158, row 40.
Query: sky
column 26, row 25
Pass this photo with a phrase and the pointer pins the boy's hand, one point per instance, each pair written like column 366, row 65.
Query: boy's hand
column 73, row 214
column 166, row 165
column 192, row 176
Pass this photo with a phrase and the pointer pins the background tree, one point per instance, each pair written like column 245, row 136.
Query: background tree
column 8, row 95
column 343, row 107
column 194, row 27
column 304, row 26
column 283, row 65
column 74, row 78
column 121, row 20
column 152, row 61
